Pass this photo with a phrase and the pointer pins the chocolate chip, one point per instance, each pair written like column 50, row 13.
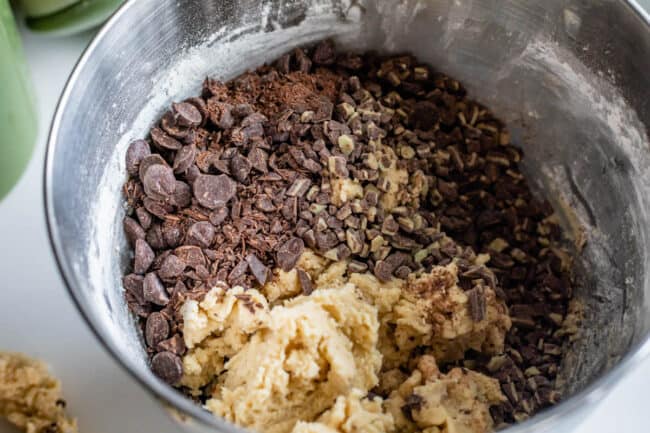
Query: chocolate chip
column 153, row 290
column 184, row 158
column 259, row 271
column 174, row 344
column 144, row 256
column 191, row 255
column 137, row 151
column 155, row 237
column 220, row 113
column 201, row 234
column 172, row 232
column 156, row 329
column 168, row 367
column 171, row 267
column 218, row 216
column 238, row 271
column 133, row 284
column 144, row 217
column 289, row 253
column 240, row 167
column 164, row 141
column 305, row 282
column 157, row 207
column 259, row 160
column 187, row 114
column 214, row 191
column 132, row 230
column 182, row 196
column 159, row 182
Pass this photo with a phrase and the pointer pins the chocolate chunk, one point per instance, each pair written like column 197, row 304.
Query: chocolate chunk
column 156, row 329
column 159, row 182
column 289, row 253
column 259, row 271
column 144, row 217
column 214, row 191
column 201, row 234
column 191, row 255
column 144, row 256
column 155, row 237
column 184, row 158
column 305, row 282
column 238, row 271
column 171, row 267
column 172, row 232
column 186, row 114
column 174, row 344
column 132, row 230
column 153, row 290
column 133, row 284
column 168, row 367
column 240, row 167
column 157, row 207
column 164, row 141
column 220, row 113
column 218, row 216
column 137, row 151
column 259, row 160
column 326, row 240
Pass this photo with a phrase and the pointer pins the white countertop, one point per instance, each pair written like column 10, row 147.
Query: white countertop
column 38, row 317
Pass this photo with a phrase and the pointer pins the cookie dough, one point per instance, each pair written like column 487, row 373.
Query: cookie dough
column 350, row 414
column 277, row 361
column 30, row 398
column 433, row 402
column 312, row 350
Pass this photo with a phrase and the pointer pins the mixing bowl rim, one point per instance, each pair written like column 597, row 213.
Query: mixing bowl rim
column 173, row 399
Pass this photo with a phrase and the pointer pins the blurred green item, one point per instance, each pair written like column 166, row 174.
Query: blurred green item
column 65, row 17
column 18, row 121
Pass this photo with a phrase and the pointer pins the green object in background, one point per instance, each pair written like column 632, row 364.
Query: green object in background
column 18, row 122
column 63, row 17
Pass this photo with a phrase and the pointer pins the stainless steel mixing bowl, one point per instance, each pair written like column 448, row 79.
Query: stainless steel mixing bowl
column 570, row 77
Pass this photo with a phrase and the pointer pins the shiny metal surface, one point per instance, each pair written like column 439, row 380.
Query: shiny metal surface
column 570, row 77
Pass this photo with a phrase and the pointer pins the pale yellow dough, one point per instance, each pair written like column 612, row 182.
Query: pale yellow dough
column 278, row 361
column 30, row 398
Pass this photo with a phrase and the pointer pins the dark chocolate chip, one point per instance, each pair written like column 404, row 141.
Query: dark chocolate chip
column 259, row 271
column 132, row 230
column 184, row 158
column 153, row 290
column 174, row 344
column 201, row 233
column 159, row 182
column 164, row 141
column 214, row 191
column 171, row 267
column 144, row 256
column 168, row 367
column 156, row 329
column 187, row 114
column 137, row 151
